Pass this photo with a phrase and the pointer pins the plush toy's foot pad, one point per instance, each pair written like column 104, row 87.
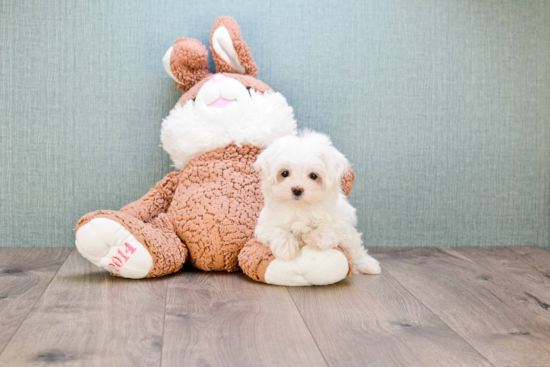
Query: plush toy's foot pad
column 107, row 244
column 310, row 267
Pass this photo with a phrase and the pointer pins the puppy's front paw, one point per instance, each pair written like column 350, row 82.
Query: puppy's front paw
column 285, row 250
column 321, row 240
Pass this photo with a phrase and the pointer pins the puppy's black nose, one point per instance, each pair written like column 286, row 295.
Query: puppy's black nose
column 297, row 191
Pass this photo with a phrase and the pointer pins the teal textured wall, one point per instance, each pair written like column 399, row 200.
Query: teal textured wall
column 442, row 106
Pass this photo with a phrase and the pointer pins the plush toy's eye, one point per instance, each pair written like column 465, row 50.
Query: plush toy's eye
column 285, row 174
column 313, row 176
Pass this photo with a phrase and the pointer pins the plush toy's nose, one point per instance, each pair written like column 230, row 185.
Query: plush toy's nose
column 217, row 78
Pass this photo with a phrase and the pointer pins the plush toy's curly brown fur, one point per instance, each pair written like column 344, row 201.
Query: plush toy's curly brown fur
column 215, row 208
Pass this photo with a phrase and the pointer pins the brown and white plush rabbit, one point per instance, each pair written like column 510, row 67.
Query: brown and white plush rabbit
column 206, row 212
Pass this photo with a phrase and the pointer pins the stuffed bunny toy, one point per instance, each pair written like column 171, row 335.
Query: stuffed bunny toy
column 205, row 212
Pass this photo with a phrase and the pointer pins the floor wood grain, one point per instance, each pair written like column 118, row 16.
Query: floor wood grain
column 430, row 307
column 226, row 319
column 88, row 318
column 374, row 321
column 535, row 256
column 24, row 275
column 534, row 283
column 487, row 310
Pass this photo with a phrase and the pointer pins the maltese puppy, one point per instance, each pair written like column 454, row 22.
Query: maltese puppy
column 304, row 203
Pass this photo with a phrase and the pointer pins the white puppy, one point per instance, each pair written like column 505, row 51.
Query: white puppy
column 304, row 203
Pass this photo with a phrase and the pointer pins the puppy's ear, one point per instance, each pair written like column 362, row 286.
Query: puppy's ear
column 186, row 62
column 263, row 163
column 229, row 51
column 335, row 162
column 337, row 165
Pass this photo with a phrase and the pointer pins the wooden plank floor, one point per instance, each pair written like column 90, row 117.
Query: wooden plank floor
column 485, row 306
column 24, row 275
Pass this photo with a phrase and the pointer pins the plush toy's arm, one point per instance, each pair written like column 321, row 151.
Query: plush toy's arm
column 156, row 201
column 347, row 181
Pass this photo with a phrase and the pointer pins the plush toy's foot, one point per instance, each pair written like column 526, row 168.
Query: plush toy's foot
column 107, row 244
column 129, row 248
column 310, row 267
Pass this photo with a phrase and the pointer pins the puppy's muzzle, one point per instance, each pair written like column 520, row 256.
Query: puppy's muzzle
column 297, row 191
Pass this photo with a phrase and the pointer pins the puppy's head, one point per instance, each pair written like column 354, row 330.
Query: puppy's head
column 304, row 169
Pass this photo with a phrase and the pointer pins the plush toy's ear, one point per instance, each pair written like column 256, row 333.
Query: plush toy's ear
column 186, row 62
column 229, row 51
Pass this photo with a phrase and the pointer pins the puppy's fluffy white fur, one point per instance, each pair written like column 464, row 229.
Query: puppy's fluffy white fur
column 304, row 203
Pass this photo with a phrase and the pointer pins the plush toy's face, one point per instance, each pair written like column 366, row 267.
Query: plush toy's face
column 221, row 98
column 230, row 106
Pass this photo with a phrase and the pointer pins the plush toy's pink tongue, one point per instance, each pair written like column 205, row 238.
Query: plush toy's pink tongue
column 220, row 103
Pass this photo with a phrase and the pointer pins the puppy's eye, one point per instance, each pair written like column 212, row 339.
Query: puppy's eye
column 285, row 174
column 313, row 176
